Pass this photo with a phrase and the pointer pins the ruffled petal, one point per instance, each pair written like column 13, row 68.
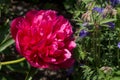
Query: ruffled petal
column 15, row 26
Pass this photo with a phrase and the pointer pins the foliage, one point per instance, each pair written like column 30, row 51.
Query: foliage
column 99, row 48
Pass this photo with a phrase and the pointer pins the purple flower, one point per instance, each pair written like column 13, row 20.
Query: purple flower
column 118, row 45
column 83, row 33
column 114, row 2
column 99, row 10
column 111, row 25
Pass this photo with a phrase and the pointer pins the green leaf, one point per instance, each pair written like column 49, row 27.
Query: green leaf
column 31, row 73
column 117, row 72
column 6, row 44
column 3, row 78
column 106, row 21
column 118, row 11
column 86, row 1
column 116, row 78
column 81, row 53
column 0, row 67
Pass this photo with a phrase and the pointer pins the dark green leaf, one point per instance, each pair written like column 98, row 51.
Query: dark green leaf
column 6, row 44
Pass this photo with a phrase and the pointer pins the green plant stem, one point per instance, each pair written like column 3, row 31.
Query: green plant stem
column 99, row 49
column 109, row 43
column 118, row 57
column 12, row 62
column 94, row 48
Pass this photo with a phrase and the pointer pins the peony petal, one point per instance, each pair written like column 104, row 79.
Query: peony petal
column 49, row 60
column 44, row 39
column 62, row 55
column 17, row 43
column 15, row 26
column 39, row 63
column 60, row 36
column 71, row 45
column 67, row 54
column 67, row 64
column 30, row 15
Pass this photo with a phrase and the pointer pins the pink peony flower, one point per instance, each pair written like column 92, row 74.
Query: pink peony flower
column 44, row 39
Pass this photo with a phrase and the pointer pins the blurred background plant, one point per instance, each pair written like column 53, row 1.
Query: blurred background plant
column 97, row 37
column 96, row 25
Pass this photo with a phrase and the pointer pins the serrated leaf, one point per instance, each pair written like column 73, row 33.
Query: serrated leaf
column 82, row 54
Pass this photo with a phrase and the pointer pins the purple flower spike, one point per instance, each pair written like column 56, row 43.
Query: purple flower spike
column 114, row 2
column 83, row 33
column 111, row 25
column 99, row 10
column 118, row 45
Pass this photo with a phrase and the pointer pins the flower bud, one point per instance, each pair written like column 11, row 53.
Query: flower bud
column 106, row 69
column 114, row 12
column 109, row 10
column 86, row 16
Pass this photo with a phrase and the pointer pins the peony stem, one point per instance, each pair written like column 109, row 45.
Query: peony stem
column 12, row 62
